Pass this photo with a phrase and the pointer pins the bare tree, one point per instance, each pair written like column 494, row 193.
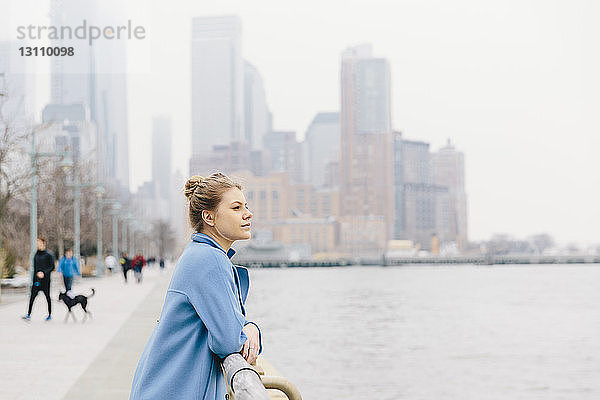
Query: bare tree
column 15, row 230
column 55, row 207
column 541, row 242
column 88, row 209
column 165, row 237
column 55, row 200
column 15, row 172
column 502, row 244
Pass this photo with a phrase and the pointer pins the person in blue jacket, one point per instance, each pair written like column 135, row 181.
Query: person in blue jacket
column 203, row 319
column 68, row 266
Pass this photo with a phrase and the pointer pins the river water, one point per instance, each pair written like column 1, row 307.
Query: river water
column 432, row 333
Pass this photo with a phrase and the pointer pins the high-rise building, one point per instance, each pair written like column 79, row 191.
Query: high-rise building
column 161, row 155
column 179, row 218
column 322, row 144
column 257, row 120
column 415, row 195
column 260, row 162
column 366, row 97
column 112, row 123
column 73, row 79
column 70, row 129
column 227, row 159
column 423, row 202
column 399, row 218
column 269, row 197
column 285, row 153
column 16, row 88
column 291, row 214
column 217, row 83
column 110, row 68
column 448, row 166
column 95, row 78
column 366, row 167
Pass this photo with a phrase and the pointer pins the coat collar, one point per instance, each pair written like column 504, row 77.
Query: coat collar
column 240, row 274
column 204, row 238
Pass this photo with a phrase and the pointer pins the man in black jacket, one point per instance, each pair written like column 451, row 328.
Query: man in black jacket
column 43, row 264
column 125, row 265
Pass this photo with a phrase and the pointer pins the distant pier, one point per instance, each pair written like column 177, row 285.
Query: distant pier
column 293, row 264
column 496, row 259
column 523, row 259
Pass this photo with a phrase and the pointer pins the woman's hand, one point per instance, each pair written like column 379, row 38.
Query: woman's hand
column 252, row 345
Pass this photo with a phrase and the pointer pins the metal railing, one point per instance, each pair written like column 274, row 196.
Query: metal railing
column 249, row 382
column 281, row 384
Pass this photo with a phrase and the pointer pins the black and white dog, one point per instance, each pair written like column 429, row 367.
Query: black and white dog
column 71, row 302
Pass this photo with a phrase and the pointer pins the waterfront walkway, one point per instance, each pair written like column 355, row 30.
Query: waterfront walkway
column 93, row 360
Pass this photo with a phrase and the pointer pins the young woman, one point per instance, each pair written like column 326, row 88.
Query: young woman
column 203, row 317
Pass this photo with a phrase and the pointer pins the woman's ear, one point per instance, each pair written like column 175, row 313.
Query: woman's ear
column 208, row 218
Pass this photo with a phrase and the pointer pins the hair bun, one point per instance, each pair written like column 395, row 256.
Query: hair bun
column 191, row 185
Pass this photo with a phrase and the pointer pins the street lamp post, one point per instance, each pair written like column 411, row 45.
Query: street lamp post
column 76, row 216
column 116, row 207
column 77, row 186
column 115, row 234
column 33, row 205
column 99, row 264
column 132, row 228
column 144, row 245
column 125, row 222
column 149, row 244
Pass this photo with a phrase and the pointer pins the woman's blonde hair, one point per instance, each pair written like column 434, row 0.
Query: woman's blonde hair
column 206, row 194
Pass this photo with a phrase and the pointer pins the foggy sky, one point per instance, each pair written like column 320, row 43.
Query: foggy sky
column 514, row 84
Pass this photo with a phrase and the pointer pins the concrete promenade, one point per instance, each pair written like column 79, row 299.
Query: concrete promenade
column 91, row 360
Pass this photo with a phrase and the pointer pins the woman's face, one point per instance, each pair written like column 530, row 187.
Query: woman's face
column 232, row 218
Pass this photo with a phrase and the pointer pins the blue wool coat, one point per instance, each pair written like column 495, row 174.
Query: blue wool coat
column 201, row 323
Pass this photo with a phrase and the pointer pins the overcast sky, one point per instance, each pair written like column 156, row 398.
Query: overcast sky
column 514, row 84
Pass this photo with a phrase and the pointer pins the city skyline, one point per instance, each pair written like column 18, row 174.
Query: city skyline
column 518, row 102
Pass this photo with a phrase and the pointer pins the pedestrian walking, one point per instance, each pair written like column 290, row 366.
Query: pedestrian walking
column 111, row 263
column 125, row 265
column 162, row 265
column 43, row 265
column 138, row 263
column 68, row 267
column 203, row 319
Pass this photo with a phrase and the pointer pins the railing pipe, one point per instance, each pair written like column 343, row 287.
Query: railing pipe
column 283, row 385
column 244, row 381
